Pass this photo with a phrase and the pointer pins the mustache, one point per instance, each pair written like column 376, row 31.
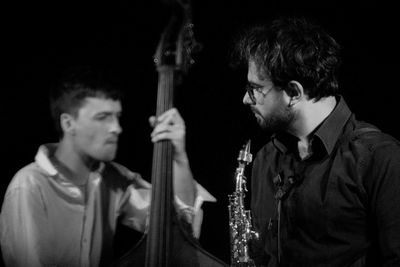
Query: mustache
column 254, row 110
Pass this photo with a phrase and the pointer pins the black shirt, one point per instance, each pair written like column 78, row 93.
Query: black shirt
column 339, row 207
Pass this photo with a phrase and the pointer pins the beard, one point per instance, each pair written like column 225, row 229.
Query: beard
column 278, row 121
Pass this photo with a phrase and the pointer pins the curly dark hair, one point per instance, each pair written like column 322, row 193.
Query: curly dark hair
column 293, row 49
column 78, row 83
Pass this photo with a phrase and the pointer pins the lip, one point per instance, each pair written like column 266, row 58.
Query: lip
column 112, row 141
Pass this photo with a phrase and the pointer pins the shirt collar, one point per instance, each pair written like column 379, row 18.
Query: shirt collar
column 328, row 132
column 43, row 155
column 331, row 129
column 42, row 158
column 283, row 141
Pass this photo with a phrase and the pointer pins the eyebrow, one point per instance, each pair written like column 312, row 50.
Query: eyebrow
column 254, row 84
column 101, row 113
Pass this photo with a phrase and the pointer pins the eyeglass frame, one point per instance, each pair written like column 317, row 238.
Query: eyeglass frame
column 250, row 88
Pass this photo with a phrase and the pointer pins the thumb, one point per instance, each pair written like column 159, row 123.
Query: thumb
column 152, row 121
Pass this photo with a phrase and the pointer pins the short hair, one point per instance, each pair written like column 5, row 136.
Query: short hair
column 78, row 83
column 292, row 48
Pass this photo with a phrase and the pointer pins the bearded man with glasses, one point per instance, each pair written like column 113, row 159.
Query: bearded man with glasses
column 325, row 189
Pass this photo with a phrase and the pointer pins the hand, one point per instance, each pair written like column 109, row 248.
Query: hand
column 170, row 126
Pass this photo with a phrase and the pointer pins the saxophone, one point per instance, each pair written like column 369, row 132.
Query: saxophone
column 240, row 226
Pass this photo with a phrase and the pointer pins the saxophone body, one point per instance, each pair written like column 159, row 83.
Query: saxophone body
column 240, row 225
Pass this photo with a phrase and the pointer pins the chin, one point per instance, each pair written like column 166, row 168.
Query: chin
column 106, row 157
column 261, row 122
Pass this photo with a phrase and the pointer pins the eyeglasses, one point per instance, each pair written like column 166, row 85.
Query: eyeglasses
column 250, row 88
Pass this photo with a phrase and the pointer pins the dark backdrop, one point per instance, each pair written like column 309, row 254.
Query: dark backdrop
column 40, row 40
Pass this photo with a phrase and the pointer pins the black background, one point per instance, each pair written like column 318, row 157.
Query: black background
column 40, row 40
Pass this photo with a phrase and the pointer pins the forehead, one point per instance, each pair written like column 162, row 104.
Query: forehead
column 95, row 105
column 254, row 75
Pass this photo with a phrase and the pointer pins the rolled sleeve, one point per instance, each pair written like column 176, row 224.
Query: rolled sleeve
column 194, row 214
column 137, row 203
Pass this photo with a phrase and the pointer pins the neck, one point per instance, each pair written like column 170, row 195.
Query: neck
column 75, row 167
column 310, row 116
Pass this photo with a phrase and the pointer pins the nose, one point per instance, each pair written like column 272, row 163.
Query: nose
column 116, row 127
column 247, row 100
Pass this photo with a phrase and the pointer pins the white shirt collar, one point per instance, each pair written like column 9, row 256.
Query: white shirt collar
column 42, row 158
column 43, row 155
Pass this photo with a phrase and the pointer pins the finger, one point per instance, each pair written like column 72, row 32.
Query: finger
column 159, row 129
column 176, row 132
column 163, row 136
column 171, row 116
column 152, row 121
column 166, row 116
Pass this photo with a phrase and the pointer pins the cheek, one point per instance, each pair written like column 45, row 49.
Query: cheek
column 265, row 107
column 271, row 103
column 89, row 134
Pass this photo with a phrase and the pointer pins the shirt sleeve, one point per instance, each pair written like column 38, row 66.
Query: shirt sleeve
column 194, row 215
column 384, row 197
column 137, row 202
column 22, row 224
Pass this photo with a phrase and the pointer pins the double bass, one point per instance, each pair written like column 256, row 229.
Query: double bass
column 168, row 241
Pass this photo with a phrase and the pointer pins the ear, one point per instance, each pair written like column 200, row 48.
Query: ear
column 295, row 92
column 67, row 123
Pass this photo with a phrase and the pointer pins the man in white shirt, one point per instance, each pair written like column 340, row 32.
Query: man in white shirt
column 62, row 209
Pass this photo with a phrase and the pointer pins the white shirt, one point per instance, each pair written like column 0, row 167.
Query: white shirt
column 48, row 221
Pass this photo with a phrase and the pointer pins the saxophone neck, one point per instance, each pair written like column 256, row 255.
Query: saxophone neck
column 240, row 180
column 244, row 158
